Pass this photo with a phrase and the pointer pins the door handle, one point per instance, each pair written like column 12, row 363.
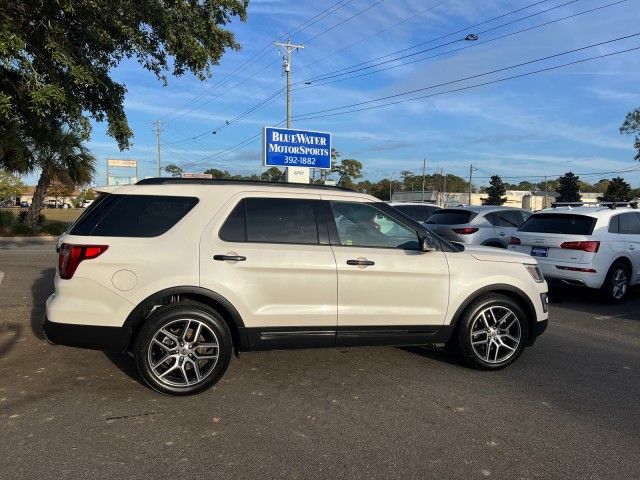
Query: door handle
column 360, row 262
column 233, row 258
column 631, row 247
column 502, row 234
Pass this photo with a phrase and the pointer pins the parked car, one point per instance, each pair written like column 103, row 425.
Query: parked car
column 183, row 272
column 86, row 203
column 420, row 212
column 24, row 204
column 590, row 246
column 487, row 225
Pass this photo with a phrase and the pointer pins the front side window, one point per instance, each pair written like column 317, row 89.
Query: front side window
column 280, row 220
column 363, row 225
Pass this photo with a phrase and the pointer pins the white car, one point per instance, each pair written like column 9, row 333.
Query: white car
column 182, row 272
column 591, row 246
column 416, row 210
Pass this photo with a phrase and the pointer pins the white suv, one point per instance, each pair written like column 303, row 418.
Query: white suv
column 182, row 272
column 593, row 246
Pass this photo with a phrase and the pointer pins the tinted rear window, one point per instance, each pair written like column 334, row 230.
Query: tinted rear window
column 447, row 216
column 132, row 215
column 559, row 223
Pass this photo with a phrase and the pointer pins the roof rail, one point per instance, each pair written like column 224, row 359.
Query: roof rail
column 611, row 205
column 216, row 181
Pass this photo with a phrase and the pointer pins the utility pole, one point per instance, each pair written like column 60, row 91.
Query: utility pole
column 293, row 174
column 157, row 129
column 471, row 169
column 545, row 192
column 424, row 172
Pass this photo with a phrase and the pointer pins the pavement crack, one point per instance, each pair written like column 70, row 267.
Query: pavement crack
column 133, row 415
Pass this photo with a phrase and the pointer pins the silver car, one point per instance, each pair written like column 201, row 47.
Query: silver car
column 420, row 212
column 488, row 225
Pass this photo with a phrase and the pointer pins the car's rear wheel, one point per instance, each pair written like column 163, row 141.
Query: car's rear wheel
column 616, row 284
column 492, row 333
column 183, row 348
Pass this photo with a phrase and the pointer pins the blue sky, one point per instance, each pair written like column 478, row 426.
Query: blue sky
column 544, row 124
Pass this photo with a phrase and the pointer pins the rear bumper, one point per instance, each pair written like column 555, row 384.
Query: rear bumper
column 87, row 336
column 555, row 275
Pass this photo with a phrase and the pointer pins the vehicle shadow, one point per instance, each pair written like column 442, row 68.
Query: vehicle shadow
column 587, row 301
column 9, row 334
column 40, row 290
column 434, row 352
column 126, row 364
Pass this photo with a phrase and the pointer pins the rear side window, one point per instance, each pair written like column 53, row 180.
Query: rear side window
column 419, row 213
column 280, row 220
column 133, row 215
column 451, row 216
column 630, row 224
column 234, row 228
column 505, row 218
column 567, row 224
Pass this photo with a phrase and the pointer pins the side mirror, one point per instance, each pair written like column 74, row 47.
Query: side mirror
column 428, row 244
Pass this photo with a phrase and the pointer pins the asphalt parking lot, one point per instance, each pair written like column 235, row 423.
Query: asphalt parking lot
column 568, row 408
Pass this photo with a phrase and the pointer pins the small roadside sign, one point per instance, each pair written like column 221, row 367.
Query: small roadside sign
column 286, row 147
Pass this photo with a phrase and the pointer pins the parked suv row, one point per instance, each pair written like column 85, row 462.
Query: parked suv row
column 592, row 246
column 183, row 272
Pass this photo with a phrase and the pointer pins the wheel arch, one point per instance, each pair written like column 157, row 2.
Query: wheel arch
column 229, row 313
column 508, row 291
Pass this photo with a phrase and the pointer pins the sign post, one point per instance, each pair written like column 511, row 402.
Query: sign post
column 297, row 150
column 121, row 163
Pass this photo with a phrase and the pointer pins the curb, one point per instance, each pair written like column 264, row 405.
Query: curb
column 48, row 238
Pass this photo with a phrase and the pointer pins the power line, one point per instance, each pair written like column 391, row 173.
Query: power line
column 506, row 35
column 303, row 26
column 274, row 95
column 313, row 115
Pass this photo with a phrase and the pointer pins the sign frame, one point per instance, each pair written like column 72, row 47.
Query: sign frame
column 265, row 155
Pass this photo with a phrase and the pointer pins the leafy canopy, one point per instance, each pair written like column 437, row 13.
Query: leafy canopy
column 10, row 185
column 569, row 188
column 617, row 191
column 631, row 126
column 56, row 56
column 495, row 192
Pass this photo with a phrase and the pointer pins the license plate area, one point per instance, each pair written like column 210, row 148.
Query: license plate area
column 539, row 251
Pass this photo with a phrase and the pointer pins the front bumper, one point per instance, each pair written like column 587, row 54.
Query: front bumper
column 87, row 336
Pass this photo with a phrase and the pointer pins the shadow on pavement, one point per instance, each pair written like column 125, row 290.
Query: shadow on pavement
column 9, row 333
column 588, row 301
column 433, row 352
column 125, row 364
column 40, row 290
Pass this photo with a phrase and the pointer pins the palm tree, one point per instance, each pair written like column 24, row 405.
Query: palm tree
column 59, row 156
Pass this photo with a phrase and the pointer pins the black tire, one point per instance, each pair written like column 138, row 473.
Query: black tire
column 499, row 345
column 192, row 368
column 612, row 291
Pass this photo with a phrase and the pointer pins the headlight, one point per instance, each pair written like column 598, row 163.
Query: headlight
column 535, row 273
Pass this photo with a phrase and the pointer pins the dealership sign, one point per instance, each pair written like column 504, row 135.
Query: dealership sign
column 285, row 147
column 114, row 162
column 196, row 175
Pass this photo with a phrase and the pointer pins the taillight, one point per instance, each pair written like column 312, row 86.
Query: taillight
column 465, row 230
column 70, row 257
column 591, row 246
column 515, row 241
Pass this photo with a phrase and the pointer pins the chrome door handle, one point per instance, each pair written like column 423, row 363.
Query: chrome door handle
column 233, row 258
column 360, row 262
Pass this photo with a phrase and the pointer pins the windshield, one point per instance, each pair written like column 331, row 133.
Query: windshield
column 566, row 224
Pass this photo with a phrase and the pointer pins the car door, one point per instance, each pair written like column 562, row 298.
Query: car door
column 628, row 239
column 267, row 257
column 505, row 223
column 389, row 292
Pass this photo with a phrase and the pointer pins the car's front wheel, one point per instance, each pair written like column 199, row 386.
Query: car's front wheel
column 492, row 332
column 183, row 348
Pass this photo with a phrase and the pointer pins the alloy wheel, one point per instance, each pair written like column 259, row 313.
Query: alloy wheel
column 183, row 353
column 619, row 283
column 495, row 334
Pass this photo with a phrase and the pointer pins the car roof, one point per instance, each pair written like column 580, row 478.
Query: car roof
column 428, row 204
column 595, row 211
column 483, row 208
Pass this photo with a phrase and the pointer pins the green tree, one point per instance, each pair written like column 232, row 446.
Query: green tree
column 569, row 188
column 273, row 174
column 10, row 185
column 62, row 156
column 56, row 57
column 631, row 126
column 617, row 191
column 219, row 174
column 495, row 192
column 347, row 169
column 601, row 185
column 173, row 170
